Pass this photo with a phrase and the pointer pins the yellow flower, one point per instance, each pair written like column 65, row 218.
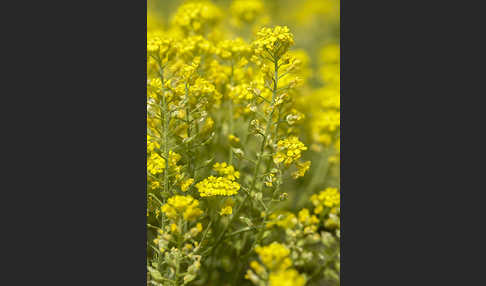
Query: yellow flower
column 329, row 197
column 259, row 269
column 174, row 228
column 273, row 42
column 274, row 256
column 233, row 49
column 155, row 164
column 196, row 230
column 151, row 145
column 306, row 218
column 226, row 210
column 301, row 169
column 195, row 17
column 186, row 184
column 246, row 10
column 285, row 220
column 217, row 186
column 185, row 206
column 233, row 139
column 228, row 171
column 288, row 150
column 288, row 277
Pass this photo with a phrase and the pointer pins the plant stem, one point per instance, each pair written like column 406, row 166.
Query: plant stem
column 230, row 109
column 166, row 116
column 260, row 157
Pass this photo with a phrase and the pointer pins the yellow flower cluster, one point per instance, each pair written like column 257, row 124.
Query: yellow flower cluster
column 240, row 92
column 186, row 184
column 289, row 277
column 196, row 16
column 185, row 206
column 273, row 42
column 226, row 210
column 288, row 150
column 274, row 256
column 329, row 197
column 155, row 164
column 326, row 100
column 194, row 46
column 330, row 58
column 285, row 220
column 328, row 121
column 233, row 49
column 246, row 10
column 151, row 144
column 276, row 259
column 228, row 171
column 301, row 169
column 217, row 186
column 162, row 48
column 308, row 221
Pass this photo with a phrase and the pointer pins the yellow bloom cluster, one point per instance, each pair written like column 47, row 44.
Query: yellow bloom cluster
column 186, row 184
column 185, row 206
column 151, row 144
column 308, row 221
column 329, row 197
column 328, row 121
column 240, row 92
column 274, row 256
column 285, row 220
column 228, row 171
column 202, row 87
column 276, row 259
column 155, row 164
column 288, row 150
column 196, row 16
column 193, row 46
column 289, row 277
column 301, row 169
column 330, row 58
column 275, row 42
column 217, row 186
column 246, row 10
column 326, row 100
column 161, row 47
column 233, row 49
column 226, row 210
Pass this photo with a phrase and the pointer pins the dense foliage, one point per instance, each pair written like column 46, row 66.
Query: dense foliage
column 243, row 148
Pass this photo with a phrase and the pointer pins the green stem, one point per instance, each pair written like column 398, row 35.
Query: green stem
column 165, row 115
column 260, row 159
column 189, row 158
column 230, row 130
column 230, row 109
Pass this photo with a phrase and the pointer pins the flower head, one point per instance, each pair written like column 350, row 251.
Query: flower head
column 246, row 10
column 329, row 197
column 273, row 42
column 185, row 206
column 288, row 150
column 217, row 186
column 288, row 277
column 274, row 256
column 196, row 16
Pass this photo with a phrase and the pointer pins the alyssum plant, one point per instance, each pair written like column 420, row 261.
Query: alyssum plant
column 223, row 142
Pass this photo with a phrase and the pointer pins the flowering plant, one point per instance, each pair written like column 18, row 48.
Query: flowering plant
column 242, row 150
